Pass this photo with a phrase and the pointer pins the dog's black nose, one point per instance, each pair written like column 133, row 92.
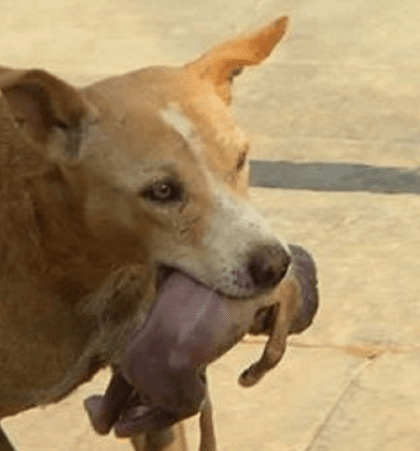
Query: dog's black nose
column 268, row 265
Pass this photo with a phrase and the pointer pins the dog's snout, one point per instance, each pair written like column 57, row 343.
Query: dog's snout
column 268, row 265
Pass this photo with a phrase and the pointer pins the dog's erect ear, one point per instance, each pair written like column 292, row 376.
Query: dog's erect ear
column 223, row 62
column 44, row 106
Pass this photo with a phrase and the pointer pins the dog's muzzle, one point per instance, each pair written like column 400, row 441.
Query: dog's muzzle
column 267, row 265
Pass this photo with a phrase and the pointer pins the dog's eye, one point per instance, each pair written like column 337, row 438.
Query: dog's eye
column 163, row 192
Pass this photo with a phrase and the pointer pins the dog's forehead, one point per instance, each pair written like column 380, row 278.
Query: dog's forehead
column 174, row 118
column 187, row 106
column 162, row 114
column 208, row 129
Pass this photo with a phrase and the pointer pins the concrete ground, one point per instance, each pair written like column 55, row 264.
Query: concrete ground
column 343, row 87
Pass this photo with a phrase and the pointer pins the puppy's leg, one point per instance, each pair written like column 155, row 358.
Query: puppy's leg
column 5, row 445
column 169, row 439
column 104, row 410
column 208, row 437
column 273, row 351
column 297, row 304
column 139, row 442
column 173, row 438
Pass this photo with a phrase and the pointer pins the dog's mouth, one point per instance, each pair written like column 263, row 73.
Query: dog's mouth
column 161, row 376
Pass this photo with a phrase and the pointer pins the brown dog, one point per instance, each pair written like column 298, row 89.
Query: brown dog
column 119, row 197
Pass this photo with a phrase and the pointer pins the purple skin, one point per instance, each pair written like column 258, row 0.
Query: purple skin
column 305, row 269
column 161, row 376
column 188, row 327
column 104, row 410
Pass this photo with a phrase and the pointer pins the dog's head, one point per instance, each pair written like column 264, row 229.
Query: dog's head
column 159, row 169
column 173, row 147
column 159, row 164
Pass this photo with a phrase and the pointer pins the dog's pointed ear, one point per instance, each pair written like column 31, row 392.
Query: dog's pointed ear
column 44, row 107
column 222, row 63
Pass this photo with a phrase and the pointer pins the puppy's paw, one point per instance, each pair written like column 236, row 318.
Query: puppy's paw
column 98, row 416
column 250, row 376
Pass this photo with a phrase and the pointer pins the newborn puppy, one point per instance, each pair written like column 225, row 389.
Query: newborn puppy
column 165, row 360
column 293, row 313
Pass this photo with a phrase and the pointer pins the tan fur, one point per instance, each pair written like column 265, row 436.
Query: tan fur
column 79, row 245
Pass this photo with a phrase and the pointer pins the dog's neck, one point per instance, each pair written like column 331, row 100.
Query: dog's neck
column 75, row 261
column 62, row 250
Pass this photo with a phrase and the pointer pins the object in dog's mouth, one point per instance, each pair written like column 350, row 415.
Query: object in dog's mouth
column 275, row 320
column 160, row 378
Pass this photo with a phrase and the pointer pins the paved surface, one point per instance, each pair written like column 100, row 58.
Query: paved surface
column 343, row 88
column 334, row 177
